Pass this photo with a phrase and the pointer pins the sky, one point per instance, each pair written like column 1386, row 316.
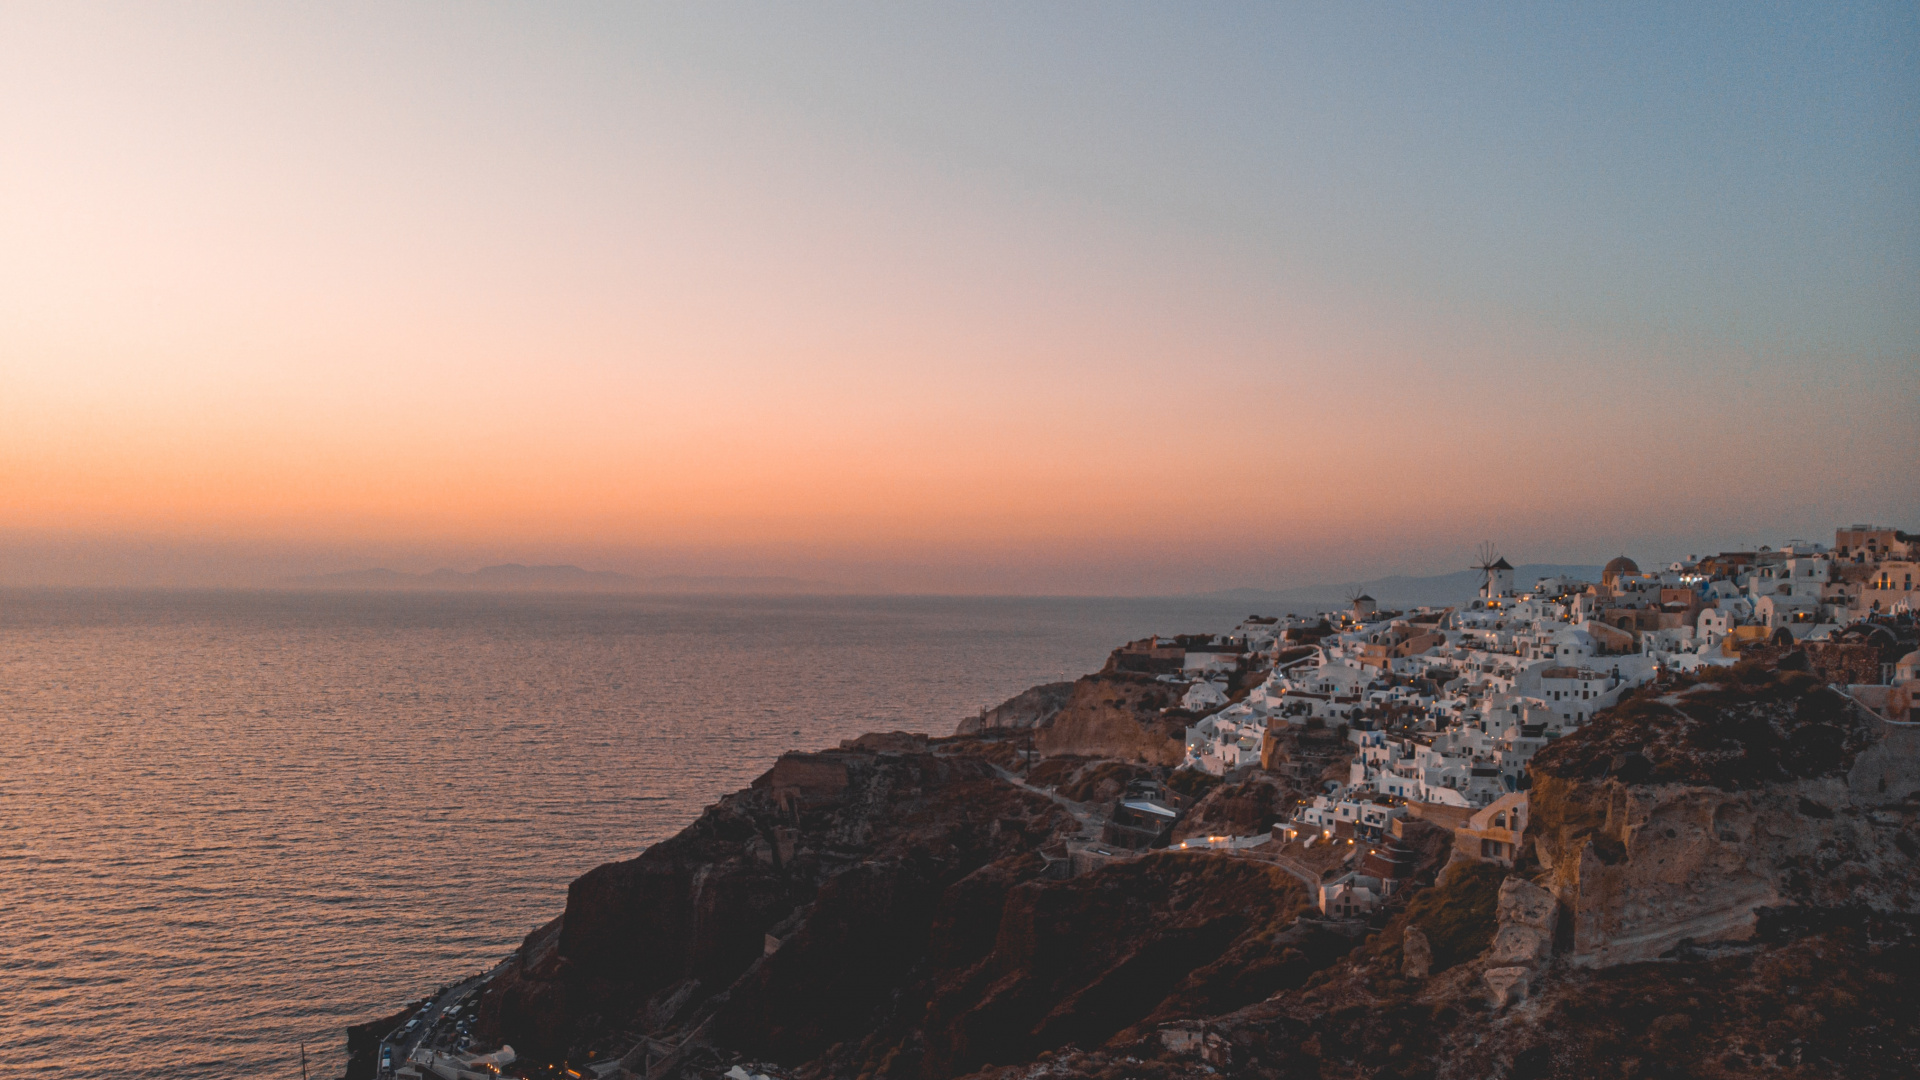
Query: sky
column 984, row 298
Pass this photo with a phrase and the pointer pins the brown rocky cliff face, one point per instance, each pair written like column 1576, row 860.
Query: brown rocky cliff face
column 644, row 943
column 1008, row 965
column 867, row 930
column 1109, row 955
column 1640, row 868
column 1765, row 815
column 1115, row 715
column 1838, row 1001
column 916, row 936
column 722, row 904
column 1681, row 816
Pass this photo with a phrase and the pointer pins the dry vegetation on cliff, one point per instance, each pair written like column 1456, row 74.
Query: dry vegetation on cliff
column 1748, row 727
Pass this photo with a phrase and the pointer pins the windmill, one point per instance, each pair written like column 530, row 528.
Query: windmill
column 1359, row 602
column 1489, row 564
column 1487, row 555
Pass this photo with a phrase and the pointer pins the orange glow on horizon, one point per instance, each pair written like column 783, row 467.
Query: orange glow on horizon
column 277, row 280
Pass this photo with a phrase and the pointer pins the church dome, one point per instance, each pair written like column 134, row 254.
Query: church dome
column 1622, row 565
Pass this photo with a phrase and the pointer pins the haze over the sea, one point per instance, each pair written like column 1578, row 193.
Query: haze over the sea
column 1005, row 298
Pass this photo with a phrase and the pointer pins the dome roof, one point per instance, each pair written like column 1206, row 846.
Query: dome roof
column 1911, row 660
column 1622, row 565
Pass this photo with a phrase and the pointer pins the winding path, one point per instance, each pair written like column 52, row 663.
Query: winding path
column 1089, row 820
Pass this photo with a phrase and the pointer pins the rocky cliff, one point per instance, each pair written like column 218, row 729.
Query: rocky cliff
column 860, row 850
column 1683, row 814
column 1720, row 881
column 892, row 913
column 1801, row 1002
column 1029, row 708
column 1120, row 715
column 1101, row 958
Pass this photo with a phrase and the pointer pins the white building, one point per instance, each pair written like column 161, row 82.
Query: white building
column 1204, row 697
column 1351, row 895
column 1225, row 741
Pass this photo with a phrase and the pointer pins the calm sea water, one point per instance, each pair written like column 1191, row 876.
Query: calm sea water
column 233, row 822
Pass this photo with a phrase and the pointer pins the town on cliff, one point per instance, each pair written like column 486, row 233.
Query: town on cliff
column 1665, row 823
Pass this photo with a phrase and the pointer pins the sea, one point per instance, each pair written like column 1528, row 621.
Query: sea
column 234, row 822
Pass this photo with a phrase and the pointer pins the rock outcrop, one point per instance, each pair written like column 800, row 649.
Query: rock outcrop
column 1679, row 817
column 1117, row 715
column 1523, row 925
column 1238, row 808
column 1508, row 984
column 1028, row 709
column 1416, row 954
column 1522, row 939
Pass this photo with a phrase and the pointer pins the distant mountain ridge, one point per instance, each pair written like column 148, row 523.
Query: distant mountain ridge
column 517, row 577
column 1403, row 591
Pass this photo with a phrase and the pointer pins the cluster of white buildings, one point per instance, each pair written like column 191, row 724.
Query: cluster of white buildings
column 1443, row 706
column 1448, row 705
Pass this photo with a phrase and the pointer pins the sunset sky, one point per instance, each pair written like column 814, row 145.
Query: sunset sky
column 1001, row 298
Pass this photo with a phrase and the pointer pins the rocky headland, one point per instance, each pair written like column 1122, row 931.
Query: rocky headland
column 1720, row 878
